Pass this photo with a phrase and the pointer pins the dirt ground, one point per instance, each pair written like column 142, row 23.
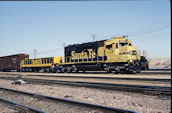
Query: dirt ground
column 118, row 99
column 159, row 63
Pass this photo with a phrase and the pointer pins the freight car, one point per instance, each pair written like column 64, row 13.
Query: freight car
column 12, row 62
column 40, row 64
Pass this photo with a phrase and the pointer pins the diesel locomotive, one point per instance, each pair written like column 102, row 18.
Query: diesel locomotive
column 116, row 54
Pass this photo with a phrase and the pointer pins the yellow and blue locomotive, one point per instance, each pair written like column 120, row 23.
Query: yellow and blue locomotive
column 116, row 54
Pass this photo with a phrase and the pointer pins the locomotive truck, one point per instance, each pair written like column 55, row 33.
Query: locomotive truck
column 116, row 54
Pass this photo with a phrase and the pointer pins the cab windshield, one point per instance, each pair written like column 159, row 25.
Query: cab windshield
column 123, row 44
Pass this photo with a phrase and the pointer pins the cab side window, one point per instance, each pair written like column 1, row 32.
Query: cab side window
column 116, row 45
column 109, row 46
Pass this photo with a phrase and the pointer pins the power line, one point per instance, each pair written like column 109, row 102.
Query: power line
column 150, row 30
column 164, row 21
column 141, row 32
column 50, row 51
column 148, row 37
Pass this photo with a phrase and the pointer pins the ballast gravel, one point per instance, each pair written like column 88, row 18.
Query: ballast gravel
column 43, row 103
column 97, row 80
column 140, row 103
column 6, row 109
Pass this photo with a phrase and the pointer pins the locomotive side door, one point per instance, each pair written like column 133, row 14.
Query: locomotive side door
column 109, row 52
column 112, row 52
column 116, row 51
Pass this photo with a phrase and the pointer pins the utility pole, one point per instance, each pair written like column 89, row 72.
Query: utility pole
column 93, row 36
column 64, row 51
column 64, row 45
column 34, row 52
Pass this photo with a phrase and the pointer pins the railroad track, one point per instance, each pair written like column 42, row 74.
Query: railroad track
column 142, row 72
column 19, row 108
column 105, row 78
column 55, row 104
column 155, row 72
column 149, row 72
column 122, row 87
column 159, row 70
column 94, row 77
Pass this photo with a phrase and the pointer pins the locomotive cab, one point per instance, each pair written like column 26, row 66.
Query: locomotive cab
column 124, row 55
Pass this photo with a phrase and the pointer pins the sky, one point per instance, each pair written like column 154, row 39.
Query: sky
column 46, row 26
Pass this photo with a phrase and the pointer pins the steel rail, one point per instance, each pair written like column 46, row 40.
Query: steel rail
column 157, row 73
column 20, row 107
column 108, row 78
column 105, row 109
column 122, row 87
column 159, row 69
column 164, row 72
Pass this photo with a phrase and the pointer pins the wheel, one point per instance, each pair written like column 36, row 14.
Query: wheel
column 36, row 70
column 63, row 70
column 130, row 72
column 108, row 70
column 76, row 71
column 29, row 70
column 123, row 72
column 47, row 70
column 138, row 71
column 116, row 72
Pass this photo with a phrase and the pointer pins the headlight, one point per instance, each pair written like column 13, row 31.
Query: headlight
column 130, row 60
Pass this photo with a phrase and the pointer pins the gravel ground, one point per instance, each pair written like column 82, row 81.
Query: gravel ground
column 132, row 82
column 43, row 104
column 125, row 100
column 6, row 109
